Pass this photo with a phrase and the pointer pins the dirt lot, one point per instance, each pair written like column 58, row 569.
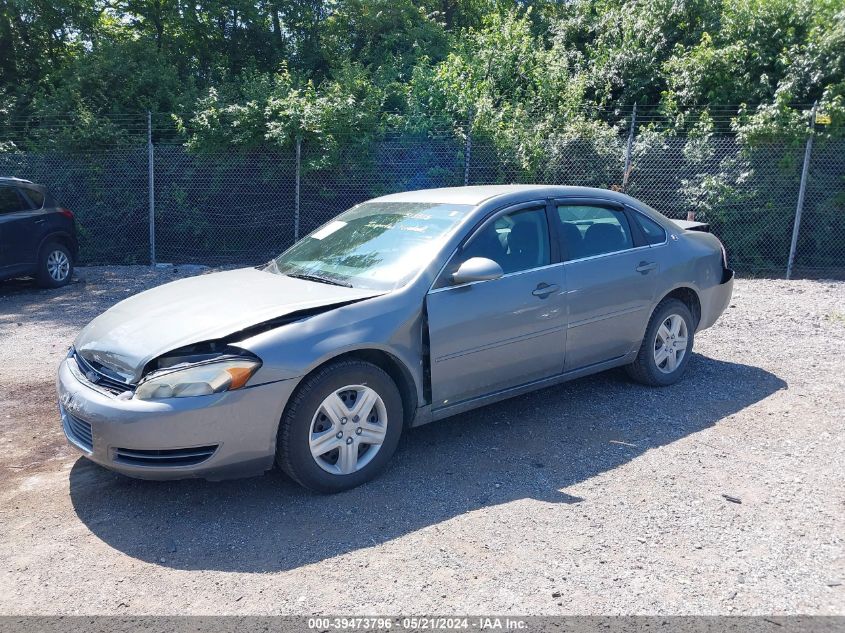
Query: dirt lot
column 598, row 496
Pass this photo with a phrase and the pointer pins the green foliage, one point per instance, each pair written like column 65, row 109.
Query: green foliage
column 743, row 60
column 385, row 35
column 623, row 45
column 545, row 87
column 118, row 77
column 242, row 73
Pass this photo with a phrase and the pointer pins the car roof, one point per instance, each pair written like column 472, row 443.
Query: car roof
column 477, row 194
column 12, row 179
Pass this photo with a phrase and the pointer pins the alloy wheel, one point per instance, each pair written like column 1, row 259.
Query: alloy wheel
column 670, row 343
column 58, row 265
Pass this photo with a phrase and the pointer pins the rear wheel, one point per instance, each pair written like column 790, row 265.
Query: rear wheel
column 55, row 266
column 341, row 427
column 667, row 345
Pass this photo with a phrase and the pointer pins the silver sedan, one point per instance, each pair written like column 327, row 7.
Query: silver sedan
column 403, row 310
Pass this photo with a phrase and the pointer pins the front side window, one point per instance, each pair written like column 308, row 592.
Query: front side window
column 10, row 201
column 516, row 241
column 375, row 245
column 592, row 230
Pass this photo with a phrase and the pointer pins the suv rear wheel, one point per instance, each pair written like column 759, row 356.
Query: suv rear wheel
column 55, row 266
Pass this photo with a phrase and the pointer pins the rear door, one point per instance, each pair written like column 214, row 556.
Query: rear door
column 487, row 336
column 20, row 229
column 611, row 281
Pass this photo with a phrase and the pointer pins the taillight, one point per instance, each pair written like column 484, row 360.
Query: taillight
column 66, row 212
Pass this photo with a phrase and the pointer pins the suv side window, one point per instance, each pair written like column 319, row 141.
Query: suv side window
column 653, row 232
column 10, row 200
column 516, row 241
column 593, row 230
column 35, row 197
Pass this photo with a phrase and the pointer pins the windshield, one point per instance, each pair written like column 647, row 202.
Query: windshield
column 377, row 245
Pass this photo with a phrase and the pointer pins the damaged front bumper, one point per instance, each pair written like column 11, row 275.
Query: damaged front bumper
column 218, row 436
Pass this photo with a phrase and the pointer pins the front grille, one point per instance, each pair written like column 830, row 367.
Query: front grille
column 170, row 458
column 98, row 378
column 79, row 431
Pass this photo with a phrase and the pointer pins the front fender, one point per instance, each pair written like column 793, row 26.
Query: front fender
column 389, row 323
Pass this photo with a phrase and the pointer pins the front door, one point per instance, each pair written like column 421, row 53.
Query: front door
column 487, row 336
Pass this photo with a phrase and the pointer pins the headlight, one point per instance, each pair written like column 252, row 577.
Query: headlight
column 198, row 380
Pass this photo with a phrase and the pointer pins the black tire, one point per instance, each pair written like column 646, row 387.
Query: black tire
column 43, row 276
column 644, row 369
column 293, row 452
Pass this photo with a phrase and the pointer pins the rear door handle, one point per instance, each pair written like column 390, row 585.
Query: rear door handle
column 645, row 267
column 543, row 290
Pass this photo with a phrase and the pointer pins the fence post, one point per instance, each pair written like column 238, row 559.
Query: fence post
column 151, row 186
column 629, row 148
column 468, row 149
column 296, row 194
column 802, row 190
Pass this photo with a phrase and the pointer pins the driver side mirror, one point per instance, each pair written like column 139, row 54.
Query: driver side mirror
column 477, row 269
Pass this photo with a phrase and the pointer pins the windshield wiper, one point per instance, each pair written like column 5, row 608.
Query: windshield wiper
column 322, row 280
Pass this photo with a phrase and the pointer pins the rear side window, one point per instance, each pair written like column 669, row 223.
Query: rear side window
column 591, row 230
column 10, row 200
column 653, row 232
column 35, row 197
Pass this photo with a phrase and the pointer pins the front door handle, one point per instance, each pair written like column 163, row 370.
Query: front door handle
column 543, row 290
column 645, row 267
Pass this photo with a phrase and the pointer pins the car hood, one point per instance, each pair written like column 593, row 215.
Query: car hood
column 135, row 331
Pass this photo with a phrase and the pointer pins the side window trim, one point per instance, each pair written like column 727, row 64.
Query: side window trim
column 636, row 230
column 555, row 249
column 593, row 202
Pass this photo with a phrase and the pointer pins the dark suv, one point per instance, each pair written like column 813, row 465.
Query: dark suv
column 37, row 237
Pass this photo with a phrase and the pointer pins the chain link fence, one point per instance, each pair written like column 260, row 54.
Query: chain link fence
column 747, row 197
column 244, row 207
column 222, row 208
column 358, row 173
column 821, row 240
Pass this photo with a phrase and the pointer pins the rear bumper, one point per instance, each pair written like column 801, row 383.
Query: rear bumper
column 213, row 437
column 715, row 300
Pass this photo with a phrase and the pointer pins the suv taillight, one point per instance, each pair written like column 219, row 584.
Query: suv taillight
column 66, row 212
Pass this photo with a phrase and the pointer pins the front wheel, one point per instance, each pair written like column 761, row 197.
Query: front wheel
column 667, row 345
column 341, row 427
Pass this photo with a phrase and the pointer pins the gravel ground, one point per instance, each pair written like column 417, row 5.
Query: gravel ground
column 595, row 497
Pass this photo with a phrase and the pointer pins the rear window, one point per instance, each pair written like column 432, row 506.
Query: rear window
column 35, row 196
column 10, row 200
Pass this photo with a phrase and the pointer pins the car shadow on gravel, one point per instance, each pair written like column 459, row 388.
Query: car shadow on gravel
column 530, row 447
